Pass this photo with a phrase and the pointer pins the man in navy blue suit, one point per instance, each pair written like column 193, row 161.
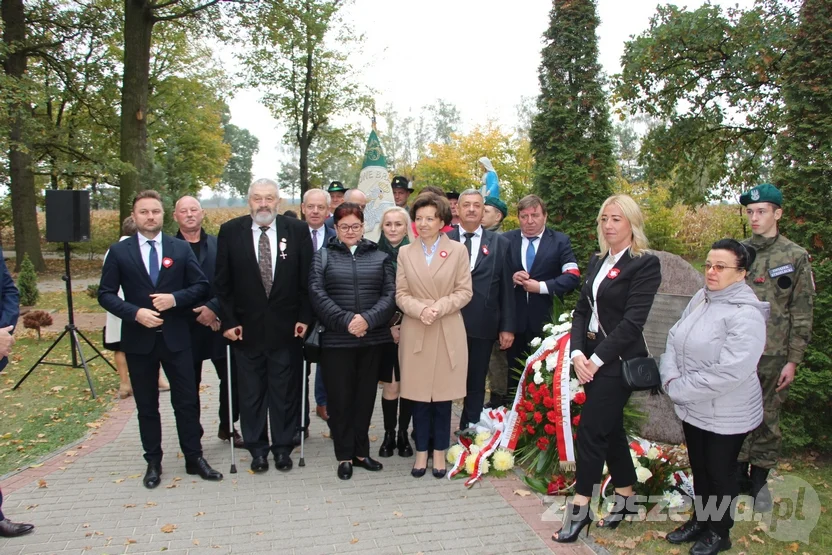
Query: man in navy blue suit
column 315, row 209
column 543, row 266
column 207, row 342
column 162, row 282
column 9, row 312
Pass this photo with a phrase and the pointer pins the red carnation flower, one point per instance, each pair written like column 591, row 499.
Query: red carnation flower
column 552, row 417
column 521, row 415
column 532, row 388
column 580, row 398
column 529, row 405
column 538, row 417
column 548, row 402
column 550, row 429
column 537, row 398
column 576, row 420
column 543, row 443
column 530, row 429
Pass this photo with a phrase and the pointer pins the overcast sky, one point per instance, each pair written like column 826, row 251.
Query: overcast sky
column 481, row 55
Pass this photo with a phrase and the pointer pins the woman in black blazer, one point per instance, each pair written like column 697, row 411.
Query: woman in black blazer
column 620, row 286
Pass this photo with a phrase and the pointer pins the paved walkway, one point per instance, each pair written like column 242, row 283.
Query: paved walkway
column 89, row 499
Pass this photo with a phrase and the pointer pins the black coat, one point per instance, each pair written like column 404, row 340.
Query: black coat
column 623, row 305
column 182, row 277
column 268, row 321
column 492, row 307
column 363, row 284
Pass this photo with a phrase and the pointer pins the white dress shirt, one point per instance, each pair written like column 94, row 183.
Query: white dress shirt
column 524, row 246
column 144, row 248
column 272, row 235
column 609, row 262
column 476, row 241
column 321, row 236
column 429, row 254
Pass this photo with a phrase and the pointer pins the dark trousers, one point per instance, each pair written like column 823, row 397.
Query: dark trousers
column 601, row 435
column 516, row 358
column 351, row 380
column 144, row 377
column 479, row 355
column 432, row 421
column 1, row 506
column 269, row 388
column 221, row 366
column 713, row 462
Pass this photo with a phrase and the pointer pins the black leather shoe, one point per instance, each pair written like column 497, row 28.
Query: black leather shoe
column 296, row 437
column 687, row 532
column 439, row 472
column 575, row 519
column 153, row 476
column 496, row 400
column 201, row 467
column 759, row 489
column 283, row 462
column 402, row 443
column 367, row 464
column 225, row 435
column 710, row 543
column 388, row 445
column 345, row 470
column 259, row 464
column 9, row 529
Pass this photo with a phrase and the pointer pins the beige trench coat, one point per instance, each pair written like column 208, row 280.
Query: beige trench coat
column 433, row 359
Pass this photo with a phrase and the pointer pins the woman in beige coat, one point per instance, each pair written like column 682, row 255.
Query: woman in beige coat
column 433, row 283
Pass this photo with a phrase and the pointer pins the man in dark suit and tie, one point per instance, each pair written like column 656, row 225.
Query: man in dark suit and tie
column 9, row 313
column 261, row 281
column 162, row 282
column 490, row 314
column 207, row 340
column 315, row 208
column 543, row 266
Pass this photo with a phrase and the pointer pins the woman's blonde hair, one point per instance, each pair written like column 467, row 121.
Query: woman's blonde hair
column 403, row 212
column 632, row 212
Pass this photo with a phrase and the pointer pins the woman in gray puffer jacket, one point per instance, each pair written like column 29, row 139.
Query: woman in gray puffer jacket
column 354, row 298
column 709, row 370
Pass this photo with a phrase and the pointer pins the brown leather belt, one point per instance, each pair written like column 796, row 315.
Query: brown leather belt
column 591, row 335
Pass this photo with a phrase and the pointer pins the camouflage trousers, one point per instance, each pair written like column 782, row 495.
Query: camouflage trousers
column 498, row 370
column 762, row 446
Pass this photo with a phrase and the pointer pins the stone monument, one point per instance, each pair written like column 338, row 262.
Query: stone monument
column 680, row 281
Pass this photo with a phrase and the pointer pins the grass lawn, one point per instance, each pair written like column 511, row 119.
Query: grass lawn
column 748, row 536
column 53, row 407
column 81, row 302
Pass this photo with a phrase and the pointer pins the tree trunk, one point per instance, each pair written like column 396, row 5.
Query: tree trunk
column 22, row 180
column 138, row 26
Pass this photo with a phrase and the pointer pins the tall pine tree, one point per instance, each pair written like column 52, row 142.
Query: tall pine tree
column 804, row 174
column 571, row 134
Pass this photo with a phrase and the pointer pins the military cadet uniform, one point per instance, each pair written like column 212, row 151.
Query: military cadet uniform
column 782, row 276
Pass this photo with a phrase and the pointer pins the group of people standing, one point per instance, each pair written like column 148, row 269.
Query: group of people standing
column 728, row 363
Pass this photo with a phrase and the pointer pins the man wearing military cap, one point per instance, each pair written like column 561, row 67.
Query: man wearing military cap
column 782, row 276
column 401, row 190
column 494, row 212
column 336, row 192
column 453, row 199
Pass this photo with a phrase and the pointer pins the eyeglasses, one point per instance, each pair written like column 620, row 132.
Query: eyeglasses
column 355, row 228
column 718, row 268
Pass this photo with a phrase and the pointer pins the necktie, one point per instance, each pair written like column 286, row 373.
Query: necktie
column 154, row 263
column 468, row 237
column 530, row 252
column 265, row 254
column 315, row 239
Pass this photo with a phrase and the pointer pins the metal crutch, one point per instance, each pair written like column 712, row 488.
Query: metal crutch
column 230, row 407
column 303, row 424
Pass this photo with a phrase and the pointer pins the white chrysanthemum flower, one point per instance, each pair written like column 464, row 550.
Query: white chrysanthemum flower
column 469, row 465
column 548, row 328
column 564, row 317
column 538, row 378
column 538, row 364
column 549, row 343
column 551, row 362
column 643, row 474
column 574, row 386
column 535, row 342
column 503, row 460
column 673, row 499
column 482, row 438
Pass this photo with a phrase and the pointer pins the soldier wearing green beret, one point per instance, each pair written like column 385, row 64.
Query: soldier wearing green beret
column 782, row 276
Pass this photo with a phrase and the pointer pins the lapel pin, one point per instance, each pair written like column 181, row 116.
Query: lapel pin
column 612, row 274
column 282, row 249
column 485, row 250
column 167, row 262
column 443, row 254
column 760, row 280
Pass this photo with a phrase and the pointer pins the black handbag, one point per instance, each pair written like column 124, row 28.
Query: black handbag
column 640, row 373
column 312, row 343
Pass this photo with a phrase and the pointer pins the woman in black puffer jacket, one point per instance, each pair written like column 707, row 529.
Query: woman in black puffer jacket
column 354, row 298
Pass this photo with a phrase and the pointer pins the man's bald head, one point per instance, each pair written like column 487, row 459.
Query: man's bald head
column 356, row 196
column 188, row 213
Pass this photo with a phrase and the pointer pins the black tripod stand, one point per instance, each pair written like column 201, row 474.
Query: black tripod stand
column 74, row 333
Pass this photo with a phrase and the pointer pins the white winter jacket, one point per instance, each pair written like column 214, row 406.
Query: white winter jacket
column 709, row 368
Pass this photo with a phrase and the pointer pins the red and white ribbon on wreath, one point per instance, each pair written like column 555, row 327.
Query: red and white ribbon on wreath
column 514, row 426
column 492, row 421
column 563, row 405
